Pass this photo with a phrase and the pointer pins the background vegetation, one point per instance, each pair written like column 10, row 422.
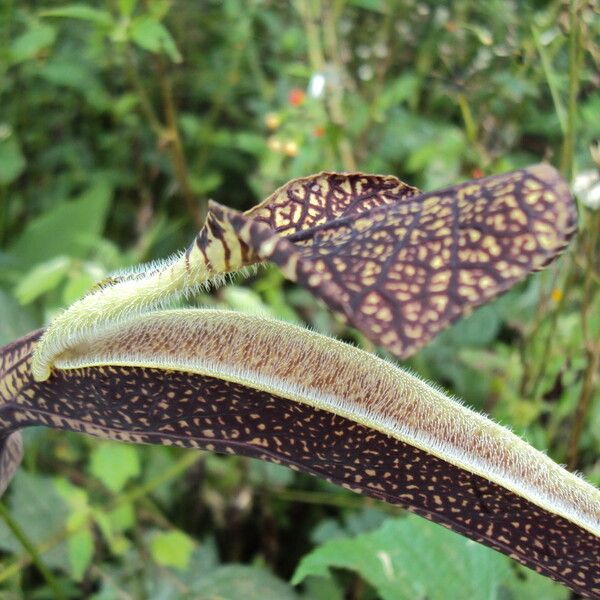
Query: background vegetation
column 120, row 118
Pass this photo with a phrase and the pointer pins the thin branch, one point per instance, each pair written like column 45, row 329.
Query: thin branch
column 336, row 97
column 173, row 139
column 145, row 103
column 575, row 55
column 551, row 80
column 168, row 135
column 592, row 346
column 310, row 19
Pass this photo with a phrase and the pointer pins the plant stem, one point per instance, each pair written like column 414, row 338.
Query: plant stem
column 568, row 151
column 244, row 46
column 32, row 551
column 173, row 138
column 568, row 124
column 551, row 80
column 336, row 107
column 168, row 136
column 309, row 12
column 534, row 390
column 145, row 103
column 592, row 345
column 590, row 381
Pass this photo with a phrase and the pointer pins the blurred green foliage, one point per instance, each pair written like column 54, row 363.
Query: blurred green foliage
column 120, row 118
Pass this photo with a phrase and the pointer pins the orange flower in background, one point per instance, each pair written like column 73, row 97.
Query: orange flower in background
column 319, row 131
column 296, row 96
column 476, row 173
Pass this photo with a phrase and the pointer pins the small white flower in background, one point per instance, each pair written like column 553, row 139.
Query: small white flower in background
column 365, row 72
column 316, row 86
column 587, row 187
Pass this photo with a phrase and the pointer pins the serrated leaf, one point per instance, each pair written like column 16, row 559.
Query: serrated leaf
column 410, row 558
column 172, row 549
column 153, row 36
column 12, row 161
column 81, row 552
column 78, row 222
column 42, row 278
column 114, row 464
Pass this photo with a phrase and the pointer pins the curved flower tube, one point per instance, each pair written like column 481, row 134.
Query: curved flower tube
column 398, row 265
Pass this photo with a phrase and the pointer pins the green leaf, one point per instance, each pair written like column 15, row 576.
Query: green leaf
column 206, row 183
column 126, row 7
column 266, row 474
column 478, row 329
column 533, row 586
column 202, row 562
column 42, row 278
column 81, row 552
column 80, row 75
column 15, row 320
column 114, row 464
column 122, row 518
column 41, row 513
column 320, row 588
column 172, row 549
column 12, row 161
column 29, row 44
column 411, row 558
column 77, row 498
column 77, row 285
column 378, row 6
column 152, row 35
column 232, row 582
column 396, row 92
column 83, row 12
column 354, row 523
column 244, row 299
column 66, row 229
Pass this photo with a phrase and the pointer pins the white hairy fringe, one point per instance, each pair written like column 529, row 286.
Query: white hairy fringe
column 154, row 286
column 446, row 428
